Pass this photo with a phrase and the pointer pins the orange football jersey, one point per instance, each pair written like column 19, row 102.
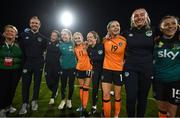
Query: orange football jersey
column 114, row 53
column 83, row 63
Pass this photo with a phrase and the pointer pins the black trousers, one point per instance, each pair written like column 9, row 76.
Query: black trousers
column 67, row 75
column 96, row 77
column 31, row 70
column 8, row 83
column 137, row 85
column 52, row 78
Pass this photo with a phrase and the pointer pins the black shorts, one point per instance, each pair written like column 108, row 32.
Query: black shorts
column 83, row 74
column 111, row 76
column 167, row 91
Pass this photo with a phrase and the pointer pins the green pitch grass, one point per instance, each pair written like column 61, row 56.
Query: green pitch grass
column 52, row 111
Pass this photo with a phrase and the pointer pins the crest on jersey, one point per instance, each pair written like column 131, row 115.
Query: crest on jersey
column 160, row 44
column 39, row 39
column 149, row 33
column 120, row 43
column 177, row 100
column 100, row 52
column 70, row 48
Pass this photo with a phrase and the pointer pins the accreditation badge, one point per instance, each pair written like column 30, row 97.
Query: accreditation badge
column 8, row 61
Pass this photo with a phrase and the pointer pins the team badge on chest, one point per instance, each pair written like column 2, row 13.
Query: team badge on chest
column 39, row 39
column 149, row 33
column 120, row 43
column 100, row 52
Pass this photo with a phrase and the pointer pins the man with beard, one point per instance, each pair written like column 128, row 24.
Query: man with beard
column 34, row 45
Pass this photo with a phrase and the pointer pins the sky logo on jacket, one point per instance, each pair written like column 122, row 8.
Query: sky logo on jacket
column 165, row 53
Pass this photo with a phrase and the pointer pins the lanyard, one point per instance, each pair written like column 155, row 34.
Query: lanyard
column 8, row 45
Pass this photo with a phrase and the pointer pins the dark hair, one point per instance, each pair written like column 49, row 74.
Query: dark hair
column 57, row 32
column 96, row 36
column 35, row 17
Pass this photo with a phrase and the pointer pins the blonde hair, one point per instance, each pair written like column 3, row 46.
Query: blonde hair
column 77, row 33
column 109, row 24
column 12, row 27
column 69, row 33
column 147, row 19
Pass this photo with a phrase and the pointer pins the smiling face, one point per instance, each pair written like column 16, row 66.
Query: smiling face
column 10, row 33
column 169, row 26
column 113, row 28
column 91, row 39
column 54, row 36
column 140, row 18
column 78, row 38
column 65, row 36
column 34, row 24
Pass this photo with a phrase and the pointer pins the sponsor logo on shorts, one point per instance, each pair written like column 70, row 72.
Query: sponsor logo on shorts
column 177, row 101
column 152, row 77
column 102, row 77
column 25, row 70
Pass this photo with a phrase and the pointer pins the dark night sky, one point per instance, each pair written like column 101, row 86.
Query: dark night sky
column 91, row 14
